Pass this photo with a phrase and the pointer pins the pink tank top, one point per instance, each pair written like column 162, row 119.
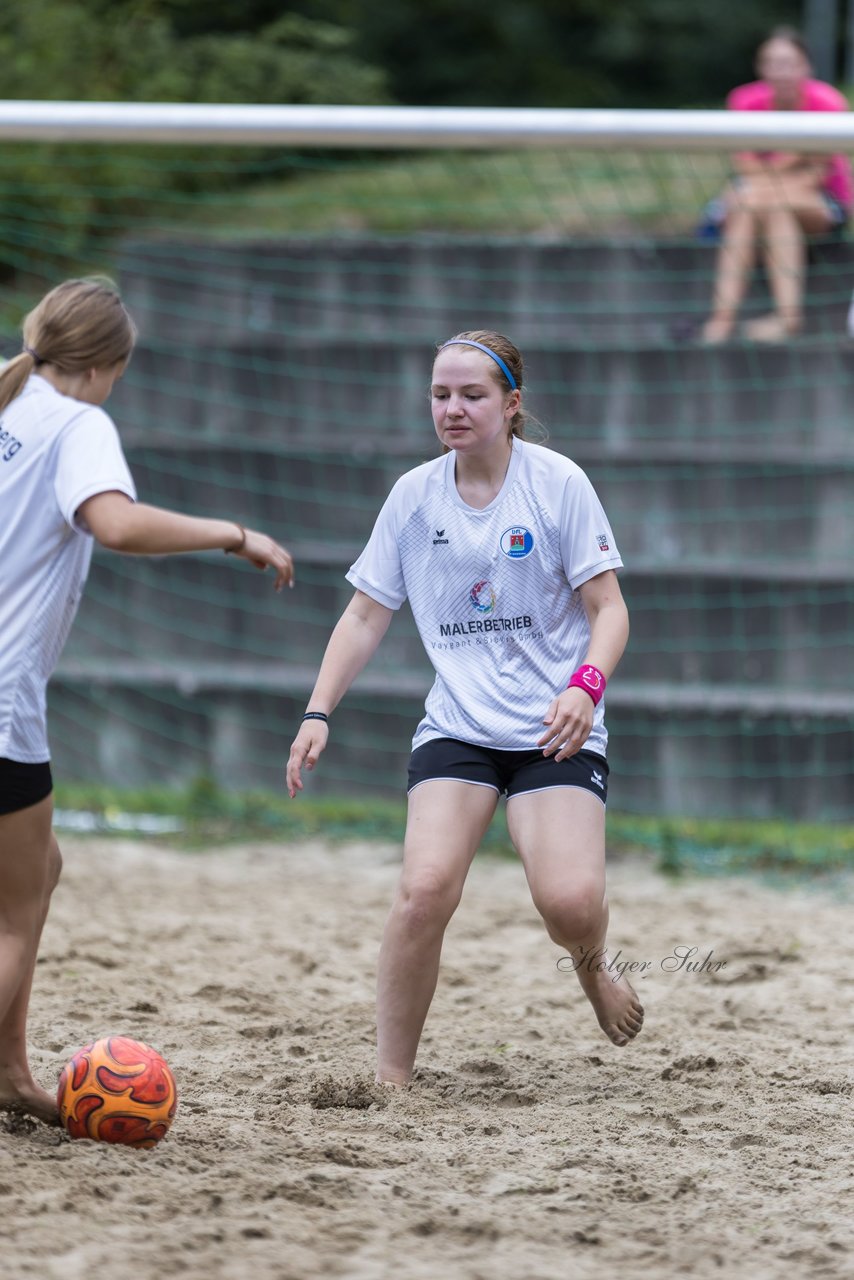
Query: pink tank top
column 815, row 96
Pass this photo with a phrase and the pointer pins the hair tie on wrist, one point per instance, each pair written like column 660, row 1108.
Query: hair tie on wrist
column 316, row 715
column 232, row 551
column 591, row 680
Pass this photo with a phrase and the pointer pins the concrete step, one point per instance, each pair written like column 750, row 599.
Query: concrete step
column 393, row 456
column 701, row 750
column 207, row 676
column 432, row 286
column 352, row 392
column 688, row 625
column 660, row 509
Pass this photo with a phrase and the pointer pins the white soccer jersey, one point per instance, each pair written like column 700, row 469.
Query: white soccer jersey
column 494, row 592
column 55, row 453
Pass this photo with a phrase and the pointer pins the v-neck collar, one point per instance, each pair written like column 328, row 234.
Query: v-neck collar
column 509, row 478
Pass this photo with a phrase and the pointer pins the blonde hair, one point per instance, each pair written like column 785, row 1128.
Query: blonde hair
column 79, row 325
column 512, row 357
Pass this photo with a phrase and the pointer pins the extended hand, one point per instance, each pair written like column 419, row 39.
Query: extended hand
column 262, row 551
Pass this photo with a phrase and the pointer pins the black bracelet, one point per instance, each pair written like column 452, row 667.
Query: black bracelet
column 316, row 715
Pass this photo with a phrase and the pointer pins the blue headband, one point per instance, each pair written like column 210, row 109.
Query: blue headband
column 470, row 342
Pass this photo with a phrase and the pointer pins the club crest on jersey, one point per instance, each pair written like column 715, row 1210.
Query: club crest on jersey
column 517, row 542
column 482, row 597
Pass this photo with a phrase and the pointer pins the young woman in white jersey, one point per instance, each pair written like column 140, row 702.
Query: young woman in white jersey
column 507, row 559
column 63, row 482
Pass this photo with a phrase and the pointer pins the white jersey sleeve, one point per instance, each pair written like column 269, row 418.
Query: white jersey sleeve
column 379, row 570
column 587, row 543
column 89, row 461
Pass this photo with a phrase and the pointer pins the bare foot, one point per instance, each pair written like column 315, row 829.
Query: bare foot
column 29, row 1100
column 772, row 328
column 615, row 1002
column 392, row 1084
column 715, row 331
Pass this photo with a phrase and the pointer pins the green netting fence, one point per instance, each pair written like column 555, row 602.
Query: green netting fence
column 289, row 302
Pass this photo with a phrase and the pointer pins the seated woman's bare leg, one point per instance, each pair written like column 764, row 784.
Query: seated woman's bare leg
column 736, row 257
column 795, row 211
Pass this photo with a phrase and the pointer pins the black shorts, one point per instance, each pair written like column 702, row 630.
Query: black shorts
column 22, row 785
column 511, row 773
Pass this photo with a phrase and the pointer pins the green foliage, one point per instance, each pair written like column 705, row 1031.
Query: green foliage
column 129, row 51
column 718, row 845
column 669, row 861
column 560, row 53
column 211, row 815
column 58, row 49
column 502, row 193
column 628, row 53
column 542, row 53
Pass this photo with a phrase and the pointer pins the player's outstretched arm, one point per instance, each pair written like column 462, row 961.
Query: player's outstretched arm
column 138, row 529
column 569, row 718
column 352, row 644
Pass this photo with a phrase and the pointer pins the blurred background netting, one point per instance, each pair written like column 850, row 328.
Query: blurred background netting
column 289, row 304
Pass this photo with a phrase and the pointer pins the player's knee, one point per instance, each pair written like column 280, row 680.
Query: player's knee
column 426, row 902
column 54, row 865
column 572, row 913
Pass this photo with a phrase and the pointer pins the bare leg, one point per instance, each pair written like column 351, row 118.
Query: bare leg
column 445, row 824
column 785, row 261
column 736, row 257
column 560, row 836
column 784, row 206
column 29, row 870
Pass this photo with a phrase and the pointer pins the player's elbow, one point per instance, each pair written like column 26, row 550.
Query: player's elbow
column 114, row 534
column 110, row 518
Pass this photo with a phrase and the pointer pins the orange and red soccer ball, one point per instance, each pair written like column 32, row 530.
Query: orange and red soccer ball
column 117, row 1090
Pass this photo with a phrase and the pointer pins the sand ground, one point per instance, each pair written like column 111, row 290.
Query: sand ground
column 528, row 1148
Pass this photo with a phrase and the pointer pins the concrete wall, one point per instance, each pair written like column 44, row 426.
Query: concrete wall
column 284, row 384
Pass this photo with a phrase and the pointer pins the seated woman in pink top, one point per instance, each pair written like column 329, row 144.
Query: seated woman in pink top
column 777, row 198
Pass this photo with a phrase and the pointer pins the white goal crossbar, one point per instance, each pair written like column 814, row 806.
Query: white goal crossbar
column 406, row 128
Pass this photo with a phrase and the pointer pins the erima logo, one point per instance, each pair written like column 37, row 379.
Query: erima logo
column 597, row 779
column 440, row 538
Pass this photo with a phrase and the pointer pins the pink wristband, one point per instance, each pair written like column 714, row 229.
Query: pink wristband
column 591, row 680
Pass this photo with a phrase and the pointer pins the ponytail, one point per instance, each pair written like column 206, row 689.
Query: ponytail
column 13, row 377
column 79, row 325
